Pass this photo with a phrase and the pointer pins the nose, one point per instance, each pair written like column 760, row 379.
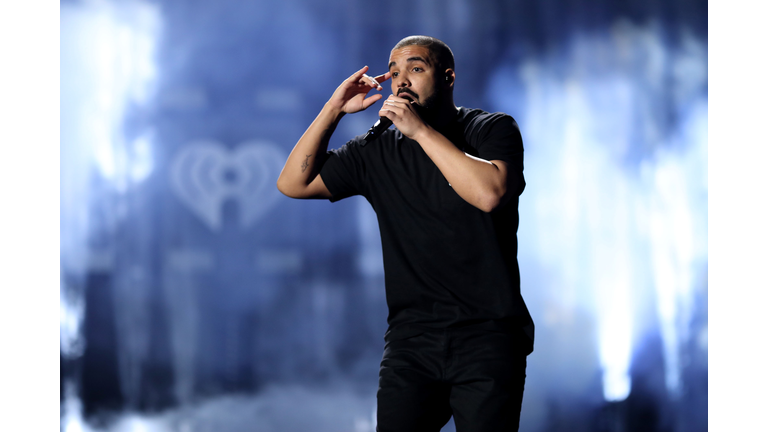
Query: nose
column 402, row 81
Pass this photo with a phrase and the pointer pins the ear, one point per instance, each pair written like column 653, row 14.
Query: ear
column 449, row 77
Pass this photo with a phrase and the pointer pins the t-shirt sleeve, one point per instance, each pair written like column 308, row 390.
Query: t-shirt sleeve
column 499, row 139
column 344, row 171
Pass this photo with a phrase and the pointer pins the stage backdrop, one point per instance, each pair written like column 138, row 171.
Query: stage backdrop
column 196, row 297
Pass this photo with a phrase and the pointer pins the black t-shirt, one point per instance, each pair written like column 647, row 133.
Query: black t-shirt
column 446, row 263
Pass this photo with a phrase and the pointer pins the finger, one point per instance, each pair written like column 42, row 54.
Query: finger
column 383, row 77
column 390, row 111
column 394, row 98
column 402, row 103
column 384, row 110
column 392, row 104
column 371, row 81
column 357, row 75
column 387, row 113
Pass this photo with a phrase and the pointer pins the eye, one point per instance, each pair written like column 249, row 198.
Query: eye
column 417, row 69
column 394, row 74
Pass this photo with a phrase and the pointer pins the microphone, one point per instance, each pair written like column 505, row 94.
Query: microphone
column 377, row 129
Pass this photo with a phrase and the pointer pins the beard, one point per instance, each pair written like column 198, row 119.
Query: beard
column 430, row 108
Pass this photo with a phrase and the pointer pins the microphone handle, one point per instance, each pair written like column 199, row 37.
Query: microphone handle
column 377, row 129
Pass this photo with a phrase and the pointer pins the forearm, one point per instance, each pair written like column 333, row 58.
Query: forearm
column 308, row 155
column 479, row 182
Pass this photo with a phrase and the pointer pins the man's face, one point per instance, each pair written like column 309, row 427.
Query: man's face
column 414, row 76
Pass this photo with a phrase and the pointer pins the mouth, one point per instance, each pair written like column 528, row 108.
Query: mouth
column 405, row 94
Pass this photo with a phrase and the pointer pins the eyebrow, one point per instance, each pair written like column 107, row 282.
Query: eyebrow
column 411, row 59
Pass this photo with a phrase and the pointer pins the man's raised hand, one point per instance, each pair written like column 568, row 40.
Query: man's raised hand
column 350, row 98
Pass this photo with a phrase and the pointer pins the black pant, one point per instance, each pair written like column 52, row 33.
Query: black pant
column 476, row 376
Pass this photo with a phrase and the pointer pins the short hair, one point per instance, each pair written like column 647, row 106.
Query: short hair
column 441, row 55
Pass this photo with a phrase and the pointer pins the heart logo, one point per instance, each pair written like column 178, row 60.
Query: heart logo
column 205, row 173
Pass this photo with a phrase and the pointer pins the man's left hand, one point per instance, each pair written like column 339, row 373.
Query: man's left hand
column 403, row 114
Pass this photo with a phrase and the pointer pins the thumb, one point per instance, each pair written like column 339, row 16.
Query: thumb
column 367, row 102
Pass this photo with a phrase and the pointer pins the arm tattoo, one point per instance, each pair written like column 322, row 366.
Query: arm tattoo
column 305, row 164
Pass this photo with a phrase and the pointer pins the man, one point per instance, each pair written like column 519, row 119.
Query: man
column 445, row 185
